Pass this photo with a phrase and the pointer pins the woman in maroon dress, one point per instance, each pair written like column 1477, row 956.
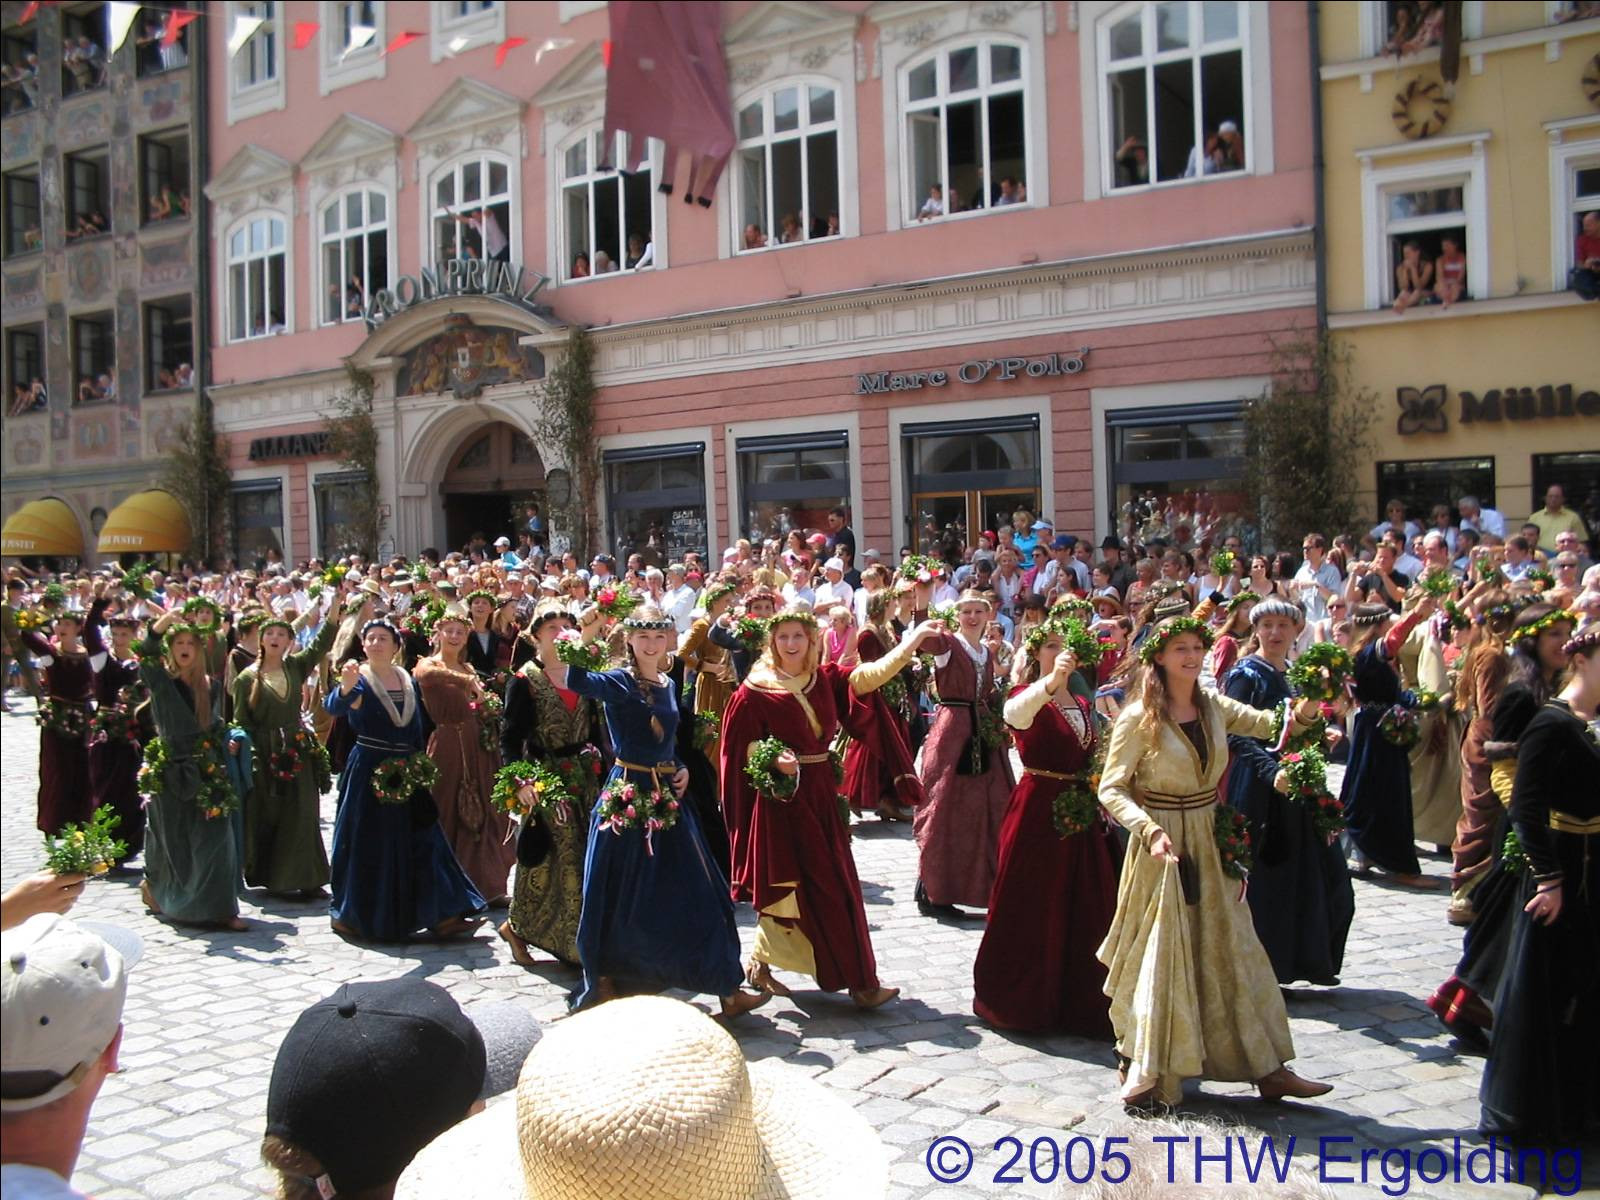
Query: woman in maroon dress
column 797, row 865
column 1055, row 893
column 115, row 749
column 64, row 793
column 967, row 777
column 869, row 781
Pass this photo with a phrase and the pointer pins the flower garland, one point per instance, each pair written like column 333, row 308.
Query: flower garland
column 31, row 620
column 1238, row 599
column 310, row 749
column 1556, row 617
column 532, row 787
column 419, row 621
column 715, row 592
column 395, row 779
column 64, row 719
column 921, row 568
column 588, row 764
column 1308, row 786
column 616, row 602
column 707, row 729
column 1438, row 583
column 894, row 693
column 87, row 848
column 1539, row 579
column 200, row 604
column 284, row 765
column 1311, row 737
column 993, row 731
column 215, row 797
column 174, row 632
column 1157, row 641
column 113, row 723
column 624, row 805
column 575, row 652
column 490, row 712
column 762, row 771
column 752, row 634
column 1222, row 563
column 1232, row 835
column 1076, row 805
column 1323, row 672
column 1400, row 726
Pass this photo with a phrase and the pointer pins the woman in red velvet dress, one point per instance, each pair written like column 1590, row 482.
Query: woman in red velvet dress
column 1053, row 896
column 64, row 792
column 796, row 863
column 869, row 780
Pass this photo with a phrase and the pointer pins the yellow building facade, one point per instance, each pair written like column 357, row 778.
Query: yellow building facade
column 1498, row 394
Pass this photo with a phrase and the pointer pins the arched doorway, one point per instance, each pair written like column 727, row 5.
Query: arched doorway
column 489, row 480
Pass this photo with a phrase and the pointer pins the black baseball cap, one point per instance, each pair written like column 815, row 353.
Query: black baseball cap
column 370, row 1075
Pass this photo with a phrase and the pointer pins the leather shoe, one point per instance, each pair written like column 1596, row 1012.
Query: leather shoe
column 1285, row 1084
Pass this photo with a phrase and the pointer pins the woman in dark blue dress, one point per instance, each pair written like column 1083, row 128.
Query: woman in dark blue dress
column 1377, row 782
column 656, row 909
column 393, row 870
column 1300, row 896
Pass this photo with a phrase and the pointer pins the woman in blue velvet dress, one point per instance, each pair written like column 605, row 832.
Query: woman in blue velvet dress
column 1300, row 896
column 656, row 913
column 393, row 870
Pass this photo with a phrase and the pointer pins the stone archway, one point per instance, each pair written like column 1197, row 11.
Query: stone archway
column 490, row 476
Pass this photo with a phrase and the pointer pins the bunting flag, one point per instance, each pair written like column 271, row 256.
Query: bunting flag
column 505, row 48
column 457, row 44
column 118, row 23
column 399, row 42
column 244, row 29
column 304, row 31
column 605, row 53
column 30, row 11
column 549, row 44
column 360, row 38
column 176, row 20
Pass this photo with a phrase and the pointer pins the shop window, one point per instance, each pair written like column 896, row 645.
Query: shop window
column 472, row 210
column 84, row 65
column 1423, row 483
column 355, row 253
column 169, row 344
column 1177, row 472
column 606, row 212
column 164, row 176
column 340, row 498
column 1578, row 473
column 152, row 54
column 1175, row 96
column 966, row 129
column 792, row 482
column 786, row 175
column 23, row 234
column 656, row 501
column 88, row 178
column 24, row 365
column 94, row 353
column 962, row 476
column 19, row 62
column 257, row 264
column 257, row 511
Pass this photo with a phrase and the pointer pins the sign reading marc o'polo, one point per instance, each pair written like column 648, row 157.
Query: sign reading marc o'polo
column 975, row 370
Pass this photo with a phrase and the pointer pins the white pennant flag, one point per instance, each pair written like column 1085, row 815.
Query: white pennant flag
column 118, row 24
column 360, row 37
column 549, row 44
column 457, row 44
column 243, row 29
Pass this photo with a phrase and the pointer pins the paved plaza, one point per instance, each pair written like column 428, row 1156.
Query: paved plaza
column 207, row 1010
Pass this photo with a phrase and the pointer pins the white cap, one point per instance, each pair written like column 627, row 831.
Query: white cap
column 833, row 564
column 1227, row 127
column 62, row 985
column 502, row 541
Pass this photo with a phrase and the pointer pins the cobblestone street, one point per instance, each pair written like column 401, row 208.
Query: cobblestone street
column 206, row 1011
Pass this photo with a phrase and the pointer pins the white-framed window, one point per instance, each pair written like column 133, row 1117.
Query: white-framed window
column 569, row 9
column 257, row 266
column 349, row 54
column 472, row 208
column 256, row 73
column 460, row 25
column 1574, row 191
column 965, row 128
column 606, row 213
column 353, row 233
column 1175, row 92
column 1424, row 204
column 1399, row 28
column 786, row 168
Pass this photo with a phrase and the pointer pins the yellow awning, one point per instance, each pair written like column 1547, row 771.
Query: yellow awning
column 43, row 527
column 146, row 523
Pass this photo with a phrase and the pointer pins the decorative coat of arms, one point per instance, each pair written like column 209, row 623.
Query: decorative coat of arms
column 465, row 359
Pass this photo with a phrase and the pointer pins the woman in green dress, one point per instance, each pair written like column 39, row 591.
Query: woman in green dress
column 283, row 849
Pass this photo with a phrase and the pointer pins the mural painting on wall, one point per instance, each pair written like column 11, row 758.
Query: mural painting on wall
column 94, row 438
column 25, row 289
column 85, row 123
column 465, row 359
column 26, row 448
column 165, row 264
column 89, row 270
column 165, row 429
column 19, row 140
column 162, row 101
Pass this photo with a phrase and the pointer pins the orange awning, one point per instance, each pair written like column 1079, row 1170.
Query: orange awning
column 43, row 527
column 146, row 523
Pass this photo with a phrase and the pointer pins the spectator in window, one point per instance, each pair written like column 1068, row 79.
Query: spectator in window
column 580, row 266
column 1009, row 192
column 1430, row 27
column 1400, row 30
column 641, row 253
column 1413, row 278
column 602, row 263
column 1449, row 271
column 1555, row 518
column 933, row 206
column 791, row 231
column 1394, row 514
column 86, row 392
column 1133, row 162
column 1482, row 520
column 754, row 239
column 1230, row 147
column 106, row 386
column 1585, row 276
column 11, row 84
column 833, row 225
column 21, row 399
column 487, row 225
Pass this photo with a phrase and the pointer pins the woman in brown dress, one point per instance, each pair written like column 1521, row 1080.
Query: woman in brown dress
column 712, row 664
column 453, row 698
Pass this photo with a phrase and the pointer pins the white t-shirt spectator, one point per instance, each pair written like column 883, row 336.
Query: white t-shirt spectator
column 1327, row 576
column 678, row 603
column 1488, row 520
column 1382, row 527
column 829, row 594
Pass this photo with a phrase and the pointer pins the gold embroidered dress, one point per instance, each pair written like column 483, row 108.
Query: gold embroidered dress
column 1192, row 991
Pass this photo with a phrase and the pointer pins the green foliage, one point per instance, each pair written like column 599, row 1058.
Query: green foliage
column 567, row 422
column 196, row 474
column 353, row 438
column 1308, row 441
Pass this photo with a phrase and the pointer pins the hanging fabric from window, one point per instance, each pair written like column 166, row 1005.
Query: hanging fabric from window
column 667, row 79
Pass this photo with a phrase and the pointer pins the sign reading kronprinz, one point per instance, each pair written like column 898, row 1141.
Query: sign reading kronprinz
column 976, row 370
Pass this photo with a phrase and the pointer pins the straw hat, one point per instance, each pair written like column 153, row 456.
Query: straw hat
column 649, row 1097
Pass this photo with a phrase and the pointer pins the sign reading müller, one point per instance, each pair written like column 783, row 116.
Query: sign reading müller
column 975, row 370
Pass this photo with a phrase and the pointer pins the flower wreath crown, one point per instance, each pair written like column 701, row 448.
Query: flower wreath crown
column 1169, row 629
column 475, row 593
column 803, row 615
column 1239, row 598
column 1555, row 617
column 717, row 591
column 1085, row 647
column 196, row 604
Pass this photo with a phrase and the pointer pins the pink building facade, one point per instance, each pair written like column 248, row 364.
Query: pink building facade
column 967, row 258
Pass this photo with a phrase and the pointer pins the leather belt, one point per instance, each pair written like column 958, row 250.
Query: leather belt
column 1168, row 803
column 1567, row 823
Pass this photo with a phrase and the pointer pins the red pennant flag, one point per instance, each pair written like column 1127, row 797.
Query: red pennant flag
column 28, row 12
column 304, row 31
column 605, row 53
column 505, row 48
column 176, row 20
column 399, row 41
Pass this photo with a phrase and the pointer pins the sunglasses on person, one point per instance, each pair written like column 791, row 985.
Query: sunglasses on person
column 1337, row 606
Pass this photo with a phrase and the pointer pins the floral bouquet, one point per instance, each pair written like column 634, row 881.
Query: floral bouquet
column 1323, row 672
column 314, row 752
column 284, row 765
column 31, row 620
column 1222, row 566
column 752, row 634
column 921, row 568
column 1438, row 583
column 625, row 805
column 490, row 712
column 65, row 720
column 1427, row 701
column 575, row 652
column 1232, row 835
column 1539, row 579
column 527, row 787
column 113, row 723
column 1456, row 615
column 418, row 621
column 1077, row 803
column 86, row 849
column 577, row 769
column 1086, row 647
column 707, row 729
column 946, row 615
column 395, row 779
column 1400, row 726
column 1308, row 785
column 762, row 770
column 616, row 601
